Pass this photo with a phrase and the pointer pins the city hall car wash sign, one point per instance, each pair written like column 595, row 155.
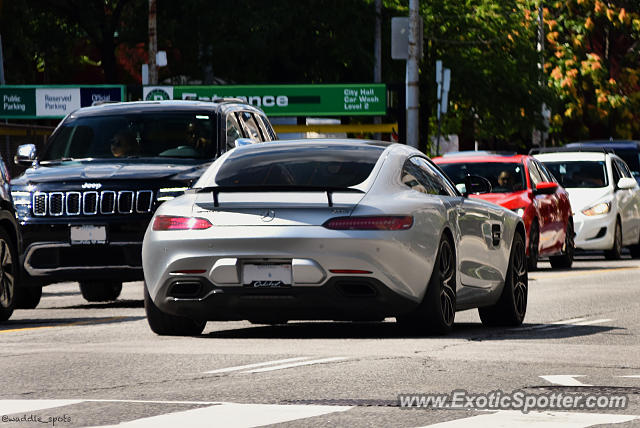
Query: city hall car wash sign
column 287, row 100
column 53, row 102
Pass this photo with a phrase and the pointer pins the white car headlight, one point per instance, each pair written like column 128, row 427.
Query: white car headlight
column 168, row 193
column 519, row 211
column 22, row 202
column 598, row 209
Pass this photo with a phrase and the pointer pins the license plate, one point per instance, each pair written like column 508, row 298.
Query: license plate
column 88, row 234
column 267, row 275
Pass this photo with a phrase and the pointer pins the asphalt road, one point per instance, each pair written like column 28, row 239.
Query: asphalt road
column 100, row 365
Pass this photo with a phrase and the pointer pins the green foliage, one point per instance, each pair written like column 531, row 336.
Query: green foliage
column 592, row 66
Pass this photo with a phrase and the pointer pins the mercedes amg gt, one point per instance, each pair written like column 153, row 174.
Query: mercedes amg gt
column 331, row 230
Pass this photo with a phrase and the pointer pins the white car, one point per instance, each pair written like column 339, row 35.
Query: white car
column 604, row 196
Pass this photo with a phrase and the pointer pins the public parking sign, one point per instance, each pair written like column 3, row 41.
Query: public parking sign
column 53, row 102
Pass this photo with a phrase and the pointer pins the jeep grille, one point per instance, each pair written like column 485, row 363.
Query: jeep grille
column 92, row 202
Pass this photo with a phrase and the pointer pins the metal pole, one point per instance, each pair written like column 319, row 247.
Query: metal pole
column 413, row 91
column 153, row 44
column 540, row 48
column 2, row 82
column 377, row 54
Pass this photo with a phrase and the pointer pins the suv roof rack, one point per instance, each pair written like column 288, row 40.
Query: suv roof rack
column 575, row 147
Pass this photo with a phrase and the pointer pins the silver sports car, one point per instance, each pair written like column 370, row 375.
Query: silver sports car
column 335, row 230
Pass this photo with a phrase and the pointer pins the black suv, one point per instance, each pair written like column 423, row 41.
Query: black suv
column 84, row 203
column 9, row 243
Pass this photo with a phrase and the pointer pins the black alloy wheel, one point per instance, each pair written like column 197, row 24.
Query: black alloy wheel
column 436, row 312
column 511, row 307
column 7, row 276
column 565, row 260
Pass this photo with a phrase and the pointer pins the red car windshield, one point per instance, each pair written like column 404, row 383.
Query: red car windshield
column 505, row 177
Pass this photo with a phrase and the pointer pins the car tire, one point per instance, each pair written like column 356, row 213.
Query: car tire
column 511, row 307
column 615, row 253
column 635, row 250
column 436, row 313
column 8, row 271
column 28, row 297
column 565, row 260
column 534, row 242
column 100, row 291
column 164, row 324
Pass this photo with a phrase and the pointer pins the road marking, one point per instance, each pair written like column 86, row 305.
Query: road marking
column 565, row 380
column 575, row 322
column 9, row 407
column 580, row 273
column 600, row 321
column 234, row 415
column 298, row 364
column 631, row 376
column 87, row 322
column 514, row 418
column 251, row 366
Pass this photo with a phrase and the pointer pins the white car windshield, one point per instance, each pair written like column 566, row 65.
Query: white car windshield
column 579, row 173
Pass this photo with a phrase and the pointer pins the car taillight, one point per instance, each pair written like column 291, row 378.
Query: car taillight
column 167, row 222
column 387, row 222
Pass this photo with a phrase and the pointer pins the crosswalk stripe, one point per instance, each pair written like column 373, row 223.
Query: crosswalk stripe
column 250, row 366
column 565, row 380
column 8, row 407
column 514, row 418
column 233, row 415
column 298, row 364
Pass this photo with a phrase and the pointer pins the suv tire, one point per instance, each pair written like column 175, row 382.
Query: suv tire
column 100, row 291
column 28, row 297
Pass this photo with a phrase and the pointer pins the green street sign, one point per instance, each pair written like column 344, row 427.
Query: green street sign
column 291, row 100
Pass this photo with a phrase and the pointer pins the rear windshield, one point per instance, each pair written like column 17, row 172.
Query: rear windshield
column 505, row 177
column 579, row 173
column 178, row 135
column 298, row 166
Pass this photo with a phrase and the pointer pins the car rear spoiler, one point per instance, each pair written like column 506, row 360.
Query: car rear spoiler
column 239, row 189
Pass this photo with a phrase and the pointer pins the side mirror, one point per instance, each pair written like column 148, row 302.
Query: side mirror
column 26, row 155
column 474, row 184
column 626, row 183
column 243, row 142
column 545, row 188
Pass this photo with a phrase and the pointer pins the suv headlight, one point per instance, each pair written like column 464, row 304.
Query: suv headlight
column 598, row 209
column 168, row 193
column 22, row 202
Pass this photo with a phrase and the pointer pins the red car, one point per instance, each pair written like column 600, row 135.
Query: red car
column 525, row 186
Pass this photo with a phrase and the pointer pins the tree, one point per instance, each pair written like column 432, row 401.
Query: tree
column 594, row 67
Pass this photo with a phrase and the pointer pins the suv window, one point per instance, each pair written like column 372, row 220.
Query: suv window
column 251, row 126
column 233, row 131
column 177, row 135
